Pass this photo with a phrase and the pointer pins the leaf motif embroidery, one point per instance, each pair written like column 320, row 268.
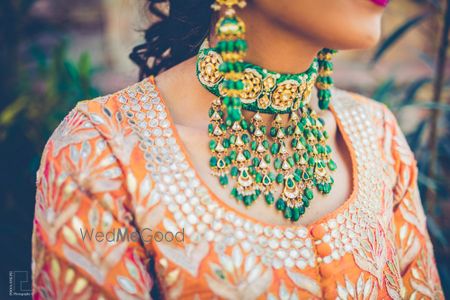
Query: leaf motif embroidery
column 188, row 258
column 234, row 279
column 306, row 283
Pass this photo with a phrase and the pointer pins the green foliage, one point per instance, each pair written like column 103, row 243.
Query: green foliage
column 39, row 84
column 49, row 89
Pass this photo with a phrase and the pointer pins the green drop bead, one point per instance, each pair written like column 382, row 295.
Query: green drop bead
column 332, row 165
column 288, row 213
column 280, row 205
column 269, row 198
column 223, row 180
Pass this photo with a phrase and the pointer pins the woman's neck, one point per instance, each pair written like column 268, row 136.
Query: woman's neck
column 274, row 46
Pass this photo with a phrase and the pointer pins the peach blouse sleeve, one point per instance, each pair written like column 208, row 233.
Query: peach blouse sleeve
column 80, row 189
column 414, row 248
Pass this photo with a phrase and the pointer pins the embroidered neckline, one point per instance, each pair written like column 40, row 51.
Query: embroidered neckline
column 205, row 217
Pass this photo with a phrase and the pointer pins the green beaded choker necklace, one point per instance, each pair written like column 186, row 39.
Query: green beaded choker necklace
column 256, row 159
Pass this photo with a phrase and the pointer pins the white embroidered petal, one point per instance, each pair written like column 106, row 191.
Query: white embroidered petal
column 131, row 182
column 96, row 119
column 126, row 284
column 284, row 294
column 255, row 273
column 349, row 287
column 227, row 263
column 132, row 269
column 237, row 257
column 249, row 262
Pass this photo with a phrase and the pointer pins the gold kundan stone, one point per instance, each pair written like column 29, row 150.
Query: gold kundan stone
column 252, row 86
column 209, row 69
column 284, row 95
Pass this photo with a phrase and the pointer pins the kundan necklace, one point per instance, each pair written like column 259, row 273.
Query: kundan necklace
column 253, row 158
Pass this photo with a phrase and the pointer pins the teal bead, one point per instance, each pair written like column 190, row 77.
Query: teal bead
column 258, row 177
column 332, row 165
column 251, row 128
column 245, row 138
column 301, row 210
column 239, row 85
column 224, row 67
column 272, row 176
column 273, row 132
column 294, row 143
column 290, row 161
column 288, row 213
column 251, row 170
column 235, row 114
column 212, row 145
column 274, row 149
column 309, row 194
column 280, row 205
column 277, row 163
column 295, row 214
column 297, row 178
column 290, row 130
column 280, row 178
column 234, row 171
column 227, row 101
column 269, row 198
column 232, row 139
column 213, row 161
column 223, row 180
column 305, row 202
column 290, row 183
column 244, row 124
column 241, row 45
column 324, row 104
column 233, row 154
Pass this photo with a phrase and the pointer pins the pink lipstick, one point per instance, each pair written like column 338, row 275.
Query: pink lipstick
column 381, row 2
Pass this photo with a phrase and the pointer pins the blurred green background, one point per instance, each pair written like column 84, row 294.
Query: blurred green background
column 55, row 53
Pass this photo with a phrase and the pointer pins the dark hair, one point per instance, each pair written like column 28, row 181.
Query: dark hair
column 174, row 37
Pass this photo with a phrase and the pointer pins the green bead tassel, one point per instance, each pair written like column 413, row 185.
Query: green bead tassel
column 324, row 81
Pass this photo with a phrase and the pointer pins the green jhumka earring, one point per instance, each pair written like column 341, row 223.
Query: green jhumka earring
column 251, row 156
column 324, row 81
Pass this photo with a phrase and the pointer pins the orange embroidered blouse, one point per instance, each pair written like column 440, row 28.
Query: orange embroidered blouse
column 116, row 163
